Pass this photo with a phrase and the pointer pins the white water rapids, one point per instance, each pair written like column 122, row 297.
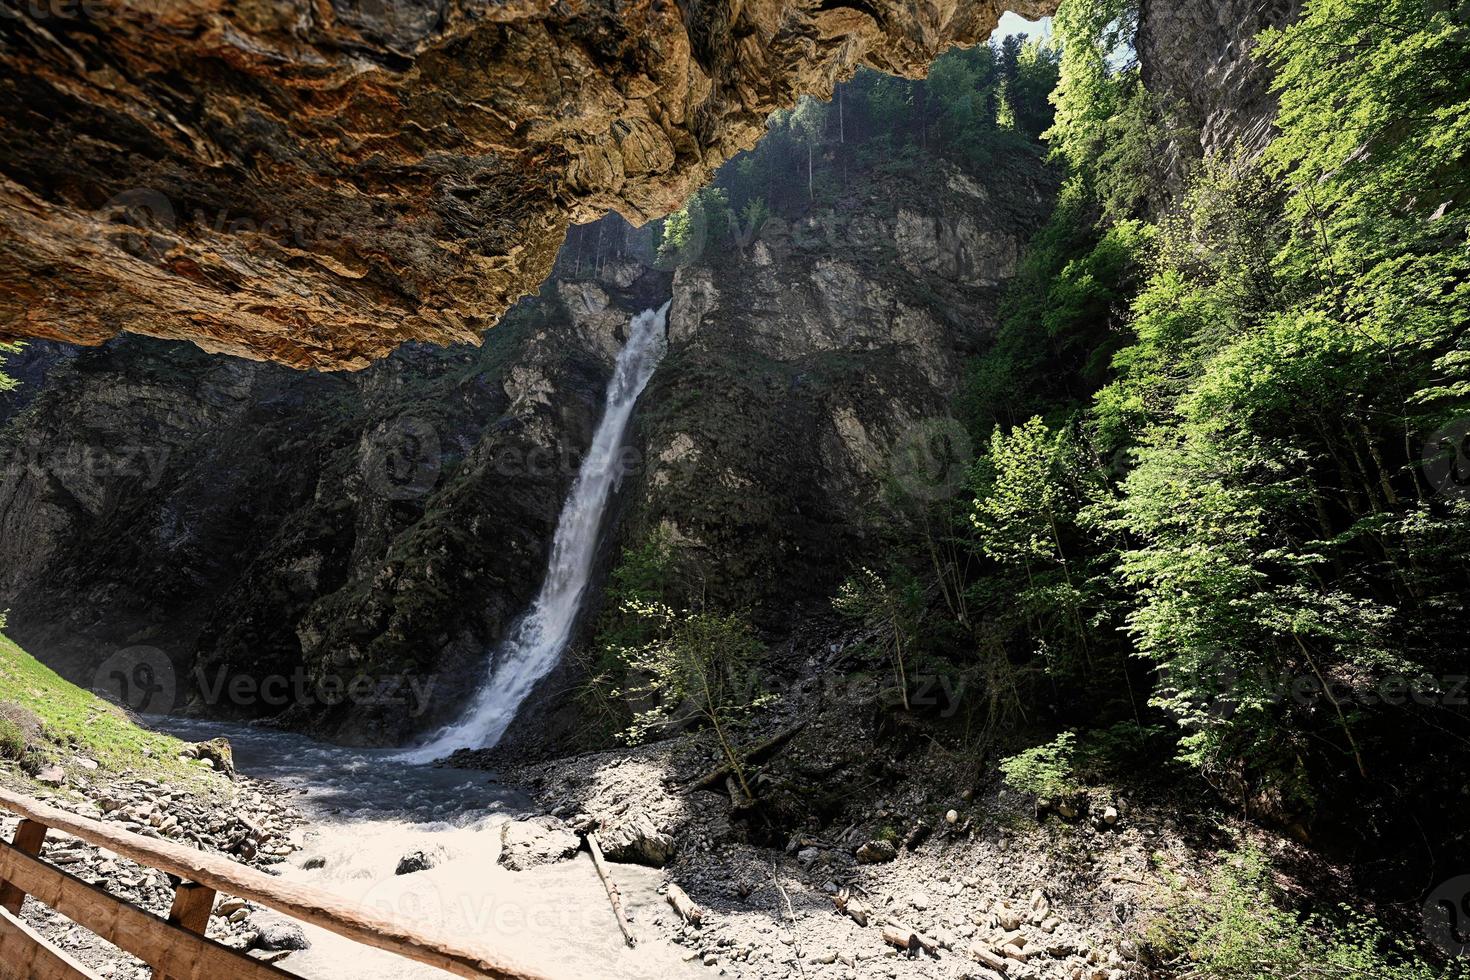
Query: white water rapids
column 364, row 810
column 537, row 640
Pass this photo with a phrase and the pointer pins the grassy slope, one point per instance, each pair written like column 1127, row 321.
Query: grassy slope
column 76, row 723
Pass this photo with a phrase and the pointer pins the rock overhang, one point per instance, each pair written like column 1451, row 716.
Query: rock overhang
column 316, row 184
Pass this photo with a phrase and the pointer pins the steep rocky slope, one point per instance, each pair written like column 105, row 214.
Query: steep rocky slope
column 1197, row 59
column 252, row 522
column 812, row 378
column 316, row 184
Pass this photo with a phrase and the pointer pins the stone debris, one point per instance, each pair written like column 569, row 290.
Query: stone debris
column 246, row 820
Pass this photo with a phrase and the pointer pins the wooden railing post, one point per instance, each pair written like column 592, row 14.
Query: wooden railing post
column 177, row 948
column 192, row 904
column 29, row 837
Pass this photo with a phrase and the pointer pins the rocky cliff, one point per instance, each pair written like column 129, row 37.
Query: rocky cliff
column 316, row 184
column 1197, row 58
column 225, row 519
column 810, row 386
column 250, row 525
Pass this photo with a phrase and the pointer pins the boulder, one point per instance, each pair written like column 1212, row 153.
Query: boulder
column 531, row 843
column 216, row 752
column 275, row 932
column 421, row 860
column 635, row 840
column 876, row 852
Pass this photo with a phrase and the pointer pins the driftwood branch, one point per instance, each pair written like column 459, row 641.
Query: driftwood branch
column 614, row 897
column 791, row 914
column 687, row 908
column 897, row 933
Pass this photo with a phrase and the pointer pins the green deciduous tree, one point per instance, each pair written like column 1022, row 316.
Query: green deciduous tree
column 699, row 665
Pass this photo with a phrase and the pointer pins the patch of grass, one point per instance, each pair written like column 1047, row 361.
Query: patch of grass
column 1235, row 930
column 45, row 719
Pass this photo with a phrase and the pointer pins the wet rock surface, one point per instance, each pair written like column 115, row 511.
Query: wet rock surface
column 318, row 185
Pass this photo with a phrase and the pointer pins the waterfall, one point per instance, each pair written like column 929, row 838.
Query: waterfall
column 536, row 641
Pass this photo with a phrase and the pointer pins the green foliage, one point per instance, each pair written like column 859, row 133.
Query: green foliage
column 1046, row 771
column 698, row 665
column 1090, row 92
column 1061, row 318
column 893, row 609
column 703, row 222
column 1029, row 71
column 753, row 218
column 1206, row 430
column 643, row 575
column 7, row 383
column 1108, row 129
column 977, row 106
column 1237, row 931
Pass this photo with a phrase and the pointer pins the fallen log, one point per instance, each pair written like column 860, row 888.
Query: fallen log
column 905, row 939
column 853, row 908
column 614, row 897
column 710, row 779
column 687, row 908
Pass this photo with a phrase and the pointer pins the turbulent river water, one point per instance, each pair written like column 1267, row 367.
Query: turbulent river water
column 367, row 808
column 538, row 639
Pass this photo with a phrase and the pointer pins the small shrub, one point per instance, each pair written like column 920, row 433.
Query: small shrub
column 1238, row 932
column 893, row 609
column 12, row 740
column 700, row 665
column 1046, row 771
column 19, row 727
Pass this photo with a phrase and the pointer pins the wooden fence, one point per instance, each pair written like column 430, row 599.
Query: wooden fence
column 176, row 947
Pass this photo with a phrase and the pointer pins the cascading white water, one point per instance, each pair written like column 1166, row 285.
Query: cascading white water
column 539, row 637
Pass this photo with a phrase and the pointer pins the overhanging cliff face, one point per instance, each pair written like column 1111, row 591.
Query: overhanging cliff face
column 316, row 183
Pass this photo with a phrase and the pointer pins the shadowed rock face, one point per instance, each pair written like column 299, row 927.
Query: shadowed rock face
column 317, row 183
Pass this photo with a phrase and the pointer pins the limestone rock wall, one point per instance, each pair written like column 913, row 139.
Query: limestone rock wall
column 1197, row 57
column 317, row 183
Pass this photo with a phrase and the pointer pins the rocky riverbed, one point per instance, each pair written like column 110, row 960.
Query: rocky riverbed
column 922, row 876
column 247, row 820
column 977, row 890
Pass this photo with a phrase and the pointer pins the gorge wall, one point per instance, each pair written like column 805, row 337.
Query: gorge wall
column 252, row 521
column 316, row 184
column 246, row 520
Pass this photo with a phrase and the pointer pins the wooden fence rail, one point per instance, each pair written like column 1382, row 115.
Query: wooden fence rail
column 176, row 947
